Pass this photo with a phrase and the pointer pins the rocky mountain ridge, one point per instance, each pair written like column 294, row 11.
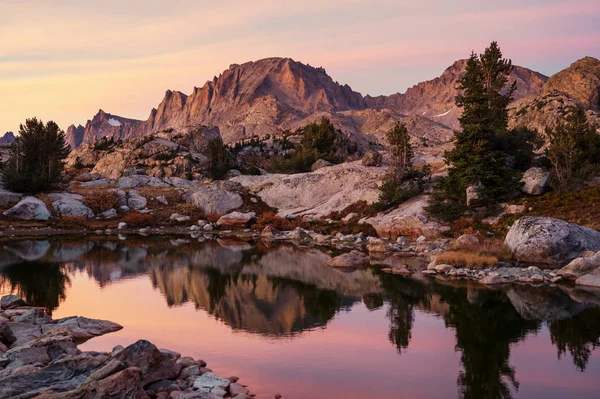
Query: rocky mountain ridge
column 7, row 138
column 266, row 97
column 577, row 85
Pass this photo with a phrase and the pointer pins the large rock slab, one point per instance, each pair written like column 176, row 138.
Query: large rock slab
column 316, row 194
column 235, row 219
column 408, row 219
column 29, row 208
column 214, row 200
column 11, row 301
column 212, row 384
column 140, row 181
column 591, row 279
column 67, row 204
column 579, row 266
column 550, row 242
column 154, row 364
column 83, row 328
column 535, row 181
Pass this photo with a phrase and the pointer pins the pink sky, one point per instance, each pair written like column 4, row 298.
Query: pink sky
column 65, row 59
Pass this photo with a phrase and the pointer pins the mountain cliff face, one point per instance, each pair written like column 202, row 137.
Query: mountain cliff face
column 577, row 85
column 434, row 99
column 271, row 95
column 7, row 138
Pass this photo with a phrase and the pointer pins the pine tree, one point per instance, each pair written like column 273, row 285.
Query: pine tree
column 573, row 149
column 478, row 158
column 403, row 181
column 36, row 158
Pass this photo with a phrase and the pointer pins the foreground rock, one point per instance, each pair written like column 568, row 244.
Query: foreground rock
column 409, row 219
column 214, row 200
column 235, row 219
column 29, row 208
column 48, row 364
column 67, row 204
column 550, row 242
column 535, row 181
column 580, row 266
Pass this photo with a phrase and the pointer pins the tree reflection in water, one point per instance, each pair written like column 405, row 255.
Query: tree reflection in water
column 41, row 284
column 283, row 291
column 579, row 335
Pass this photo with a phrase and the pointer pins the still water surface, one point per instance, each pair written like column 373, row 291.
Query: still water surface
column 285, row 323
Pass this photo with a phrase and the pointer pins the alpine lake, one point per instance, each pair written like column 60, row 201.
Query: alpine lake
column 282, row 320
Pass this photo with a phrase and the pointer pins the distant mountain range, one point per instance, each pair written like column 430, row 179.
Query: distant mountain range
column 266, row 97
column 7, row 138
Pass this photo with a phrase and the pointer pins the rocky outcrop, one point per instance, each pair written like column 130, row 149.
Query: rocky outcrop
column 74, row 136
column 535, row 181
column 434, row 98
column 271, row 95
column 67, row 204
column 44, row 362
column 29, row 208
column 7, row 138
column 372, row 158
column 550, row 242
column 214, row 200
column 408, row 219
column 235, row 219
column 580, row 266
column 591, row 279
column 577, row 85
column 316, row 194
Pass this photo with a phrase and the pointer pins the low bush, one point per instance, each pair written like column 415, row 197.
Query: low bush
column 71, row 222
column 270, row 218
column 101, row 201
column 135, row 219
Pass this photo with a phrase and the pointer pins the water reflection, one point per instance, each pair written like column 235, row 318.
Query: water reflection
column 284, row 291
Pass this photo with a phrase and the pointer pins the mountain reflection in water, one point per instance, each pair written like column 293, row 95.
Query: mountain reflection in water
column 285, row 292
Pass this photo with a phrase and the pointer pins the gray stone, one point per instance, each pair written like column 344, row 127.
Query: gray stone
column 473, row 197
column 11, row 301
column 550, row 242
column 212, row 384
column 535, row 181
column 108, row 214
column 135, row 200
column 235, row 219
column 214, row 200
column 29, row 208
column 578, row 267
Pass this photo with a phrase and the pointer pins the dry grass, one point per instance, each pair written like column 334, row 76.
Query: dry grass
column 488, row 253
column 71, row 222
column 138, row 219
column 466, row 259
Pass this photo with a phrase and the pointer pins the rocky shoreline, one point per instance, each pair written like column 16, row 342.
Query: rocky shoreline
column 39, row 358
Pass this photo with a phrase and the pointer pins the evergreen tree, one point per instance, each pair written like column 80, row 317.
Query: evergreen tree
column 573, row 149
column 403, row 181
column 36, row 158
column 218, row 159
column 478, row 158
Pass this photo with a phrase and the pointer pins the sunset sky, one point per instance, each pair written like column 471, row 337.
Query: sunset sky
column 65, row 59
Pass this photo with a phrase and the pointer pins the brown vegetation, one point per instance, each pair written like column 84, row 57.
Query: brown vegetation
column 139, row 219
column 487, row 253
column 101, row 201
